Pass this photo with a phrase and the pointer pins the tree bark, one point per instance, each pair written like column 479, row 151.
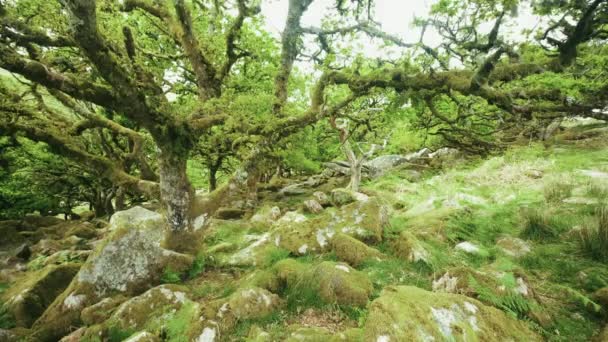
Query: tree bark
column 212, row 178
column 177, row 197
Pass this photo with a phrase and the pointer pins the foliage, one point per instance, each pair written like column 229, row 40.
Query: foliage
column 537, row 225
column 170, row 277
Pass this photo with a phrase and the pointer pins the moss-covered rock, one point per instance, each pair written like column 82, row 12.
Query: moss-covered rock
column 340, row 197
column 320, row 334
column 407, row 313
column 31, row 295
column 129, row 261
column 143, row 336
column 252, row 303
column 148, row 309
column 364, row 220
column 330, row 282
column 351, row 250
column 99, row 312
column 409, row 248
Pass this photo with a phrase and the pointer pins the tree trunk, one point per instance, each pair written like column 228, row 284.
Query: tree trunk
column 177, row 196
column 356, row 165
column 212, row 178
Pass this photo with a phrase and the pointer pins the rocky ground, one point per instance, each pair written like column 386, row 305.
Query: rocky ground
column 433, row 248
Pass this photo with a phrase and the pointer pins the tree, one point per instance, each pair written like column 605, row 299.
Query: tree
column 159, row 71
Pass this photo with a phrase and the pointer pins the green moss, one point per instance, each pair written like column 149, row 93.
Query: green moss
column 439, row 316
column 351, row 250
column 176, row 327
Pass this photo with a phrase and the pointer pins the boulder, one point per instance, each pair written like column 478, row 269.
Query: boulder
column 230, row 213
column 408, row 313
column 363, row 220
column 101, row 311
column 321, row 197
column 251, row 303
column 340, row 197
column 313, row 206
column 468, row 247
column 409, row 248
column 129, row 261
column 351, row 250
column 27, row 299
column 514, row 247
column 333, row 283
column 23, row 251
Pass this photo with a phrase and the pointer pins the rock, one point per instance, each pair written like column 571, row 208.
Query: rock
column 364, row 220
column 351, row 250
column 601, row 297
column 101, row 311
column 293, row 190
column 408, row 313
column 42, row 221
column 340, row 197
column 47, row 247
column 536, row 174
column 321, row 197
column 149, row 308
column 334, row 283
column 230, row 213
column 129, row 261
column 313, row 206
column 83, row 230
column 252, row 303
column 266, row 215
column 75, row 336
column 514, row 247
column 467, row 247
column 409, row 248
column 27, row 299
column 143, row 336
column 23, row 252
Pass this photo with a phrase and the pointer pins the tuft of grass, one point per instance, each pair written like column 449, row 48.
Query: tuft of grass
column 275, row 254
column 179, row 323
column 170, row 277
column 537, row 225
column 597, row 190
column 197, row 267
column 593, row 241
column 556, row 191
column 116, row 334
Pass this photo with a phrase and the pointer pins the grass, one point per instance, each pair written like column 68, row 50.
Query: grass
column 537, row 225
column 176, row 327
column 593, row 241
column 170, row 277
column 557, row 190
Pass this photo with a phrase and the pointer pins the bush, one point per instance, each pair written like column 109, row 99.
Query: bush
column 593, row 241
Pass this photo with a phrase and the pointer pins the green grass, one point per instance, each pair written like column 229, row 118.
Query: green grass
column 178, row 325
column 593, row 241
column 170, row 277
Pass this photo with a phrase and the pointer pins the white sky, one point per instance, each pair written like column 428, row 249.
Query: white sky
column 395, row 16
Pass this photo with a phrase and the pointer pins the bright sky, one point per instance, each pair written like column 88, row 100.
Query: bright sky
column 395, row 16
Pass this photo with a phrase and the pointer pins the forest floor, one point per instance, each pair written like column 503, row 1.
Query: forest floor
column 506, row 247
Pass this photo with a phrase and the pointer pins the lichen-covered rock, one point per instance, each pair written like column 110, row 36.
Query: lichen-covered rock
column 143, row 336
column 27, row 299
column 351, row 250
column 251, row 303
column 321, row 197
column 99, row 312
column 129, row 261
column 409, row 248
column 407, row 313
column 313, row 206
column 334, row 283
column 266, row 215
column 340, row 197
column 319, row 334
column 363, row 220
column 148, row 308
column 514, row 247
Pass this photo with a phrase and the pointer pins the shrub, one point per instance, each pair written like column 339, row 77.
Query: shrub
column 593, row 241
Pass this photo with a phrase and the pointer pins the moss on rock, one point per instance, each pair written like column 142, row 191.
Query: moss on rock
column 409, row 248
column 363, row 220
column 351, row 250
column 33, row 293
column 330, row 282
column 407, row 313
